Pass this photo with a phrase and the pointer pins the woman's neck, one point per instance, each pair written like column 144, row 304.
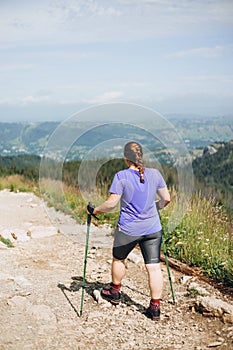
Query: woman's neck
column 133, row 167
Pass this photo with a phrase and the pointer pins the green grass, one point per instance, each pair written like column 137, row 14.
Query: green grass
column 203, row 239
column 71, row 201
column 17, row 183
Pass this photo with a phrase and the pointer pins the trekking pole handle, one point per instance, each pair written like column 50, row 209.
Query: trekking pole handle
column 90, row 209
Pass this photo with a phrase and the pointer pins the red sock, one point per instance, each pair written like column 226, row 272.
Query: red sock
column 115, row 288
column 154, row 303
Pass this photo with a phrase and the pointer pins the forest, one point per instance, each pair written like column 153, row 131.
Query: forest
column 214, row 174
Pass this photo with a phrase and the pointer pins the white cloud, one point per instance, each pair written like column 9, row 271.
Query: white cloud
column 95, row 21
column 57, row 21
column 218, row 78
column 74, row 9
column 107, row 97
column 206, row 52
column 33, row 99
column 60, row 99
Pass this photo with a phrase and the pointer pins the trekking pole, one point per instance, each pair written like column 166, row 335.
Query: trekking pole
column 166, row 258
column 89, row 215
column 85, row 262
column 168, row 269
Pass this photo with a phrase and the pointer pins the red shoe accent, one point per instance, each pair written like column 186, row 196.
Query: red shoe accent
column 107, row 294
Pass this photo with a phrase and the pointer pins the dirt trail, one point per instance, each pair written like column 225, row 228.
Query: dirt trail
column 40, row 292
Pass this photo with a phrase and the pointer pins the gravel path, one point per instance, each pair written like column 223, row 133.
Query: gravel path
column 40, row 290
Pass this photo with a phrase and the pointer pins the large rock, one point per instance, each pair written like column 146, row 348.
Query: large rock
column 19, row 303
column 210, row 306
column 40, row 231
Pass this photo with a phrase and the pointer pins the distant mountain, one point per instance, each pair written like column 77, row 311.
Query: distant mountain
column 203, row 131
column 31, row 138
column 24, row 138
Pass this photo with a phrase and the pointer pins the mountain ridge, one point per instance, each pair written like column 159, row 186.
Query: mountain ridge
column 32, row 137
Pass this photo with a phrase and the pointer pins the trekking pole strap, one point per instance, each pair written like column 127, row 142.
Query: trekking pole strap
column 91, row 208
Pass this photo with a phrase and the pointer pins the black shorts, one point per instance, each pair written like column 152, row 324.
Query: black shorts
column 149, row 244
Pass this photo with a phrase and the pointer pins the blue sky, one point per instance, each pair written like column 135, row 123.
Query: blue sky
column 57, row 56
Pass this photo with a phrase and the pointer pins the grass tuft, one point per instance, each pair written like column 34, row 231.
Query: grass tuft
column 6, row 241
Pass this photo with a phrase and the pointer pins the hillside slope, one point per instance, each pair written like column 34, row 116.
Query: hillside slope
column 215, row 171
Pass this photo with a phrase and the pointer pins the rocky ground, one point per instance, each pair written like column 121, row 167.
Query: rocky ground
column 40, row 291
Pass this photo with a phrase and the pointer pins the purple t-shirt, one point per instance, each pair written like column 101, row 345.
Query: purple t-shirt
column 138, row 213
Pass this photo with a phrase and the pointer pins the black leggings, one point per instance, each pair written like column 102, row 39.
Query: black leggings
column 149, row 244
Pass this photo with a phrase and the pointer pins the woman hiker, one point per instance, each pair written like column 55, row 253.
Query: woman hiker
column 139, row 223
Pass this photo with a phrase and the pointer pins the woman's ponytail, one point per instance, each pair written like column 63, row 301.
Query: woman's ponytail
column 133, row 152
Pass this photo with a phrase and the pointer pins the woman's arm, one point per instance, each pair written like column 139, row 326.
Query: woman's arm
column 164, row 196
column 108, row 205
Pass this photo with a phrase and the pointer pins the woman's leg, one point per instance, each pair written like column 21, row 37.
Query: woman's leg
column 150, row 246
column 112, row 293
column 155, row 280
column 118, row 270
column 122, row 246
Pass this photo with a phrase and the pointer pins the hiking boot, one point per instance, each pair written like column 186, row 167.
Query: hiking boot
column 153, row 313
column 114, row 298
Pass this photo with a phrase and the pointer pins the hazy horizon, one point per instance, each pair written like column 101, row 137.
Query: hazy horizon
column 170, row 117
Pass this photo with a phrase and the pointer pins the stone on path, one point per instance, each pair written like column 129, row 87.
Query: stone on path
column 210, row 306
column 215, row 344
